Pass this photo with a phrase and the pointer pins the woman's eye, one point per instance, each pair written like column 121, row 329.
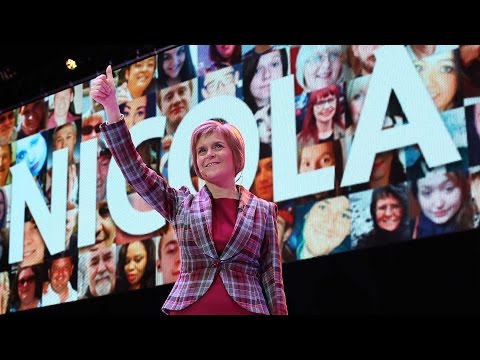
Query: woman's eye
column 425, row 193
column 447, row 69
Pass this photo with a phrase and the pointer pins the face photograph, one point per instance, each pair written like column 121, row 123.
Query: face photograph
column 440, row 74
column 32, row 151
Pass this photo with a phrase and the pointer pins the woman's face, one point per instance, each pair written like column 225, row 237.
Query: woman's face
column 323, row 68
column 325, row 108
column 440, row 197
column 317, row 156
column 326, row 225
column 264, row 124
column 225, row 51
column 26, row 286
column 356, row 104
column 33, row 245
column 440, row 75
column 388, row 213
column 135, row 111
column 135, row 263
column 173, row 61
column 215, row 159
column 33, row 151
column 140, row 75
column 263, row 183
column 269, row 68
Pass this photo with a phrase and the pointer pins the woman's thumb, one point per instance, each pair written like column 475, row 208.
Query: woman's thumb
column 109, row 72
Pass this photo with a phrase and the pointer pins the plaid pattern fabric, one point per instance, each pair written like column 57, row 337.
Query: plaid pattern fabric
column 250, row 265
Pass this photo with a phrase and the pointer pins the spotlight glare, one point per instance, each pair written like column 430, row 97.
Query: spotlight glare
column 71, row 64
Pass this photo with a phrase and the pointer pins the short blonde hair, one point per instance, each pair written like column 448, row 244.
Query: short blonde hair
column 356, row 85
column 232, row 136
column 307, row 51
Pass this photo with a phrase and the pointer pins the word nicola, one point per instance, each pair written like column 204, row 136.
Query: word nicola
column 425, row 128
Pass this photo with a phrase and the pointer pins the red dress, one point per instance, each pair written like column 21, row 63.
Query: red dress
column 216, row 300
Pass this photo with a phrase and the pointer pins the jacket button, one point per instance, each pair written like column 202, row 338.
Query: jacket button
column 216, row 263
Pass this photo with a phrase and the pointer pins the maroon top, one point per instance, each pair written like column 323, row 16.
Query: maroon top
column 216, row 300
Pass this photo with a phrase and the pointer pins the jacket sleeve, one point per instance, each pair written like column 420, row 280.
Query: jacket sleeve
column 152, row 187
column 271, row 265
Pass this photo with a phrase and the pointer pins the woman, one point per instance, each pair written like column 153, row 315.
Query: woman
column 326, row 229
column 263, row 183
column 388, row 210
column 440, row 73
column 319, row 66
column 227, row 236
column 324, row 116
column 319, row 156
column 356, row 93
column 139, row 109
column 445, row 203
column 34, row 249
column 137, row 80
column 26, row 289
column 175, row 66
column 32, row 151
column 259, row 72
column 136, row 266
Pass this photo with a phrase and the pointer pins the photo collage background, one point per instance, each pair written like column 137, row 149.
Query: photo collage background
column 404, row 199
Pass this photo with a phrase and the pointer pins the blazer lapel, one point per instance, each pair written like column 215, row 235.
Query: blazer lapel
column 243, row 225
column 201, row 223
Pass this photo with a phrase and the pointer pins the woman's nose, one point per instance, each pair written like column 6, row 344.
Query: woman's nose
column 430, row 79
column 439, row 202
column 266, row 73
column 210, row 154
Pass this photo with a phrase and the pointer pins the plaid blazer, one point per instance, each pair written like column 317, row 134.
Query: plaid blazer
column 250, row 265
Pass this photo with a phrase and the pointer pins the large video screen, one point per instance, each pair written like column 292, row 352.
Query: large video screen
column 358, row 145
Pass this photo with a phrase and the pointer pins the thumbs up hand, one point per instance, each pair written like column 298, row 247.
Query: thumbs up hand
column 103, row 91
column 103, row 88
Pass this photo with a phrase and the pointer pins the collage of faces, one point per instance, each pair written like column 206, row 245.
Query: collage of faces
column 403, row 200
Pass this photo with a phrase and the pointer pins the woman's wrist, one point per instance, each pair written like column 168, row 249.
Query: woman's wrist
column 113, row 115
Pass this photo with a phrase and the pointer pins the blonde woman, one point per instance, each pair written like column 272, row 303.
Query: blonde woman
column 319, row 66
column 4, row 291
